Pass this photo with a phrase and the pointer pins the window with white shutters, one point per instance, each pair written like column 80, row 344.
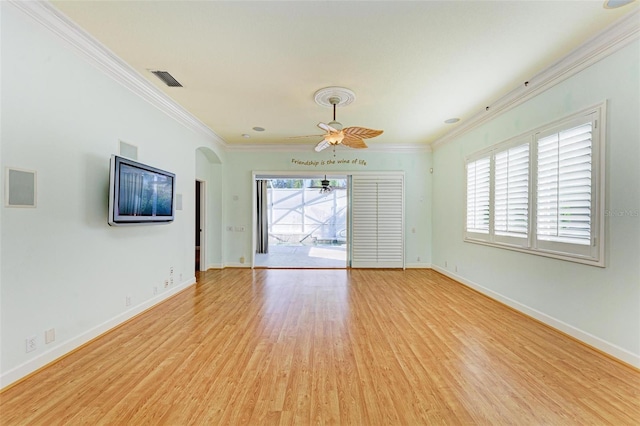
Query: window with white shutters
column 511, row 198
column 567, row 173
column 478, row 181
column 564, row 186
column 543, row 193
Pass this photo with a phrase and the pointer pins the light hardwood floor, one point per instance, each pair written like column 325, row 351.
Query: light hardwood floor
column 359, row 347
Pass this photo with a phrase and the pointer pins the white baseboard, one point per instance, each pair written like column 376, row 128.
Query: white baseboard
column 228, row 265
column 215, row 266
column 64, row 348
column 237, row 265
column 581, row 335
column 417, row 265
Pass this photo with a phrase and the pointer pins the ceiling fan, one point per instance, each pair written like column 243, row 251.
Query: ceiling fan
column 325, row 186
column 348, row 136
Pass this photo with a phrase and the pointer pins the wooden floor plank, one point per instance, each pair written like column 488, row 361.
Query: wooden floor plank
column 291, row 347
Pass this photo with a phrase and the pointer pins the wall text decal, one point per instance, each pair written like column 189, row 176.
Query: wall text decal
column 316, row 163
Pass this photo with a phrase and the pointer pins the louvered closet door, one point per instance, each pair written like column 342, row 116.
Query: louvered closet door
column 377, row 221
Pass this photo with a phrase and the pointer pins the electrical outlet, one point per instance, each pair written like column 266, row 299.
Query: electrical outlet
column 166, row 283
column 127, row 301
column 49, row 336
column 239, row 228
column 171, row 271
column 230, row 228
column 31, row 344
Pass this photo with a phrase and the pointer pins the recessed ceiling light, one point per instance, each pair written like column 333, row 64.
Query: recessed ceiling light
column 613, row 4
column 452, row 120
column 246, row 136
column 258, row 129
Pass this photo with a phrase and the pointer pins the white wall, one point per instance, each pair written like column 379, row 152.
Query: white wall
column 600, row 306
column 63, row 267
column 238, row 203
column 209, row 170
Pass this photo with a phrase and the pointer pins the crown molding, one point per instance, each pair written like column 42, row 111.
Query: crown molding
column 610, row 40
column 386, row 148
column 104, row 59
column 108, row 62
column 400, row 148
column 268, row 148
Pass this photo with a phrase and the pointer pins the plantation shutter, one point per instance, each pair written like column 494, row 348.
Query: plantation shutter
column 377, row 221
column 542, row 192
column 511, row 205
column 564, row 186
column 478, row 195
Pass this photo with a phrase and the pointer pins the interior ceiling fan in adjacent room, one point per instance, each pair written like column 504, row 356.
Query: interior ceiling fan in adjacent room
column 336, row 134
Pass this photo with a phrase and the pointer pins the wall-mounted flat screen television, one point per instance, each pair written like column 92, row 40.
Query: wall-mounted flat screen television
column 139, row 194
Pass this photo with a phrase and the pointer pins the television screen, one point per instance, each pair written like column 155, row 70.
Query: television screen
column 139, row 194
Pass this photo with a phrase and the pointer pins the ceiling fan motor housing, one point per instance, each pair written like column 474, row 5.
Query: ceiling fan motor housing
column 335, row 124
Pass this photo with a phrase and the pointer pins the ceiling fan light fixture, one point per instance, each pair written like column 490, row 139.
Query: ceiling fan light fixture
column 335, row 124
column 336, row 134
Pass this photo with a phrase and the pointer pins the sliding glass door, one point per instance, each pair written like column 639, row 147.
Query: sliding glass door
column 301, row 222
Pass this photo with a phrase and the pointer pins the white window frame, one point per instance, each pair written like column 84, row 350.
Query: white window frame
column 477, row 232
column 591, row 254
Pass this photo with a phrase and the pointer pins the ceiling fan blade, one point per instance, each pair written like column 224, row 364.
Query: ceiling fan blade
column 362, row 132
column 322, row 145
column 327, row 128
column 353, row 141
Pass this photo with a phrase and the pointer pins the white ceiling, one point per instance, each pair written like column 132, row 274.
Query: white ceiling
column 412, row 65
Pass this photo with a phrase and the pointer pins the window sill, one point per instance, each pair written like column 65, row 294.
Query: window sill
column 537, row 252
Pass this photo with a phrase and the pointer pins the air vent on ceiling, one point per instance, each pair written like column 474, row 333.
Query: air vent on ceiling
column 167, row 78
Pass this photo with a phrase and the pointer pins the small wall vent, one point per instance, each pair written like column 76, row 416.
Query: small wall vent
column 20, row 188
column 128, row 150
